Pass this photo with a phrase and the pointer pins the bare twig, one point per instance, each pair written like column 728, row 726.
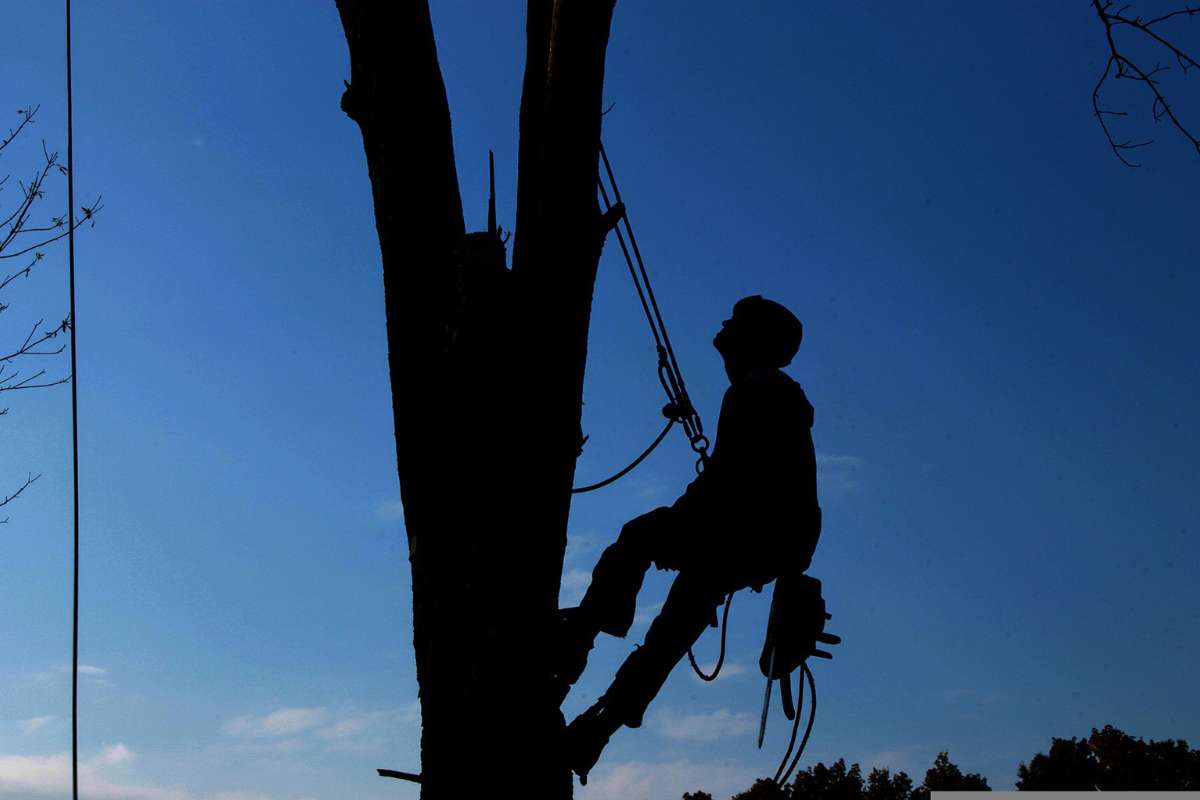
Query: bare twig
column 32, row 341
column 28, row 480
column 22, row 236
column 27, row 115
column 1126, row 67
column 25, row 272
column 89, row 215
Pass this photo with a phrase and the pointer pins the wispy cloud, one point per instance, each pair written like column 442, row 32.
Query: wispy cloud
column 89, row 672
column 390, row 510
column 114, row 754
column 702, row 727
column 41, row 776
column 105, row 776
column 574, row 584
column 633, row 780
column 730, row 669
column 578, row 546
column 651, row 489
column 291, row 729
column 838, row 473
column 284, row 722
column 35, row 724
column 913, row 759
column 646, row 614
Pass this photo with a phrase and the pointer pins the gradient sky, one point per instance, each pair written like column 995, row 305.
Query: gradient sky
column 1001, row 346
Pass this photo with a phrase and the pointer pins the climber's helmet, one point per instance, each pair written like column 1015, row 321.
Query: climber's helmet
column 760, row 332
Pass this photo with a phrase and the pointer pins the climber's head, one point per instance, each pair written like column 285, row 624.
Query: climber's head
column 759, row 333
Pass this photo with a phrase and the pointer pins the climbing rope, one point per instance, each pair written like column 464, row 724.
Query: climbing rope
column 618, row 475
column 74, row 426
column 679, row 406
column 812, row 716
column 668, row 365
column 720, row 658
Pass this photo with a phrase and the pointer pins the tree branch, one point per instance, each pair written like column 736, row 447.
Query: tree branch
column 1160, row 107
column 27, row 115
column 28, row 480
column 398, row 98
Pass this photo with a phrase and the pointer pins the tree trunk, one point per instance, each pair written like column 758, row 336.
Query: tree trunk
column 487, row 372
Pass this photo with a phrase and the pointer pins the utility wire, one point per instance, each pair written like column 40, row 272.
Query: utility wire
column 74, row 427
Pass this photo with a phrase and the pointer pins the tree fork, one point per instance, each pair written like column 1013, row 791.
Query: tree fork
column 485, row 471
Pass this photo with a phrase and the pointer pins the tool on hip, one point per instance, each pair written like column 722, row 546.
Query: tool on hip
column 794, row 628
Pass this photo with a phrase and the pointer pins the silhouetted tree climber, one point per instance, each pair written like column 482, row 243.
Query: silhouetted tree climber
column 749, row 518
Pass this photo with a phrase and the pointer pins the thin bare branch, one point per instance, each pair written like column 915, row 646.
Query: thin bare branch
column 27, row 115
column 1160, row 107
column 21, row 272
column 89, row 215
column 29, row 479
column 28, row 383
column 1189, row 11
column 32, row 341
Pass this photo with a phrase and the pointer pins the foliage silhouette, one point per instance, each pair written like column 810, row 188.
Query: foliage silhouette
column 1111, row 760
column 1107, row 760
column 841, row 782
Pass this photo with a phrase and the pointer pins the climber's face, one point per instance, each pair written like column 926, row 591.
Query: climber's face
column 729, row 344
column 725, row 337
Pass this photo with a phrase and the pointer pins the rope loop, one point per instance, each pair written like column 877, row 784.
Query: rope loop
column 721, row 656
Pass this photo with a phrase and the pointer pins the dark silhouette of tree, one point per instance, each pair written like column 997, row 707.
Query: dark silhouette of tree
column 23, row 238
column 487, row 368
column 883, row 785
column 945, row 776
column 836, row 782
column 697, row 796
column 839, row 782
column 1134, row 42
column 1111, row 760
column 762, row 790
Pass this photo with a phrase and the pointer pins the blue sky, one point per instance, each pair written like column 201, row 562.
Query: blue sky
column 1000, row 345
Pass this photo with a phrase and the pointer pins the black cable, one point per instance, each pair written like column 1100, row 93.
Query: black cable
column 74, row 426
column 617, row 476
